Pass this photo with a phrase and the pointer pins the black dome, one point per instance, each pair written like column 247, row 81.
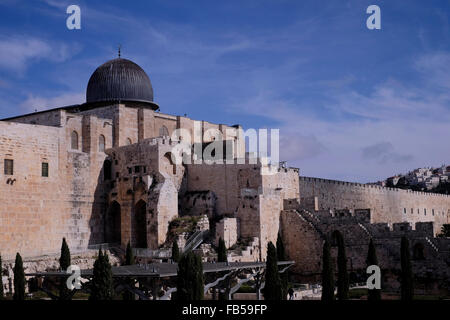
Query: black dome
column 120, row 80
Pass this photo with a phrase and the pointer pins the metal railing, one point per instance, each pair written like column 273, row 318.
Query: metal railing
column 194, row 241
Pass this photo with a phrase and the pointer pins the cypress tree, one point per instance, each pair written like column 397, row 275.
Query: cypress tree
column 373, row 294
column 327, row 274
column 64, row 259
column 64, row 263
column 129, row 257
column 272, row 288
column 1, row 279
column 175, row 251
column 190, row 281
column 281, row 253
column 342, row 281
column 222, row 251
column 101, row 287
column 407, row 289
column 199, row 279
column 284, row 277
column 19, row 279
column 129, row 260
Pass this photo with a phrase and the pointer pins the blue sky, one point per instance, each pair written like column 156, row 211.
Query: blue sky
column 351, row 103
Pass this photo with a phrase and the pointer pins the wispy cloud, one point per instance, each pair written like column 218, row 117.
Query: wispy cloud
column 383, row 153
column 436, row 67
column 39, row 103
column 370, row 135
column 17, row 52
column 57, row 4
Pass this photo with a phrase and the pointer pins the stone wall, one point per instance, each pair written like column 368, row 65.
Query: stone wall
column 249, row 253
column 302, row 243
column 55, row 118
column 304, row 233
column 197, row 203
column 245, row 192
column 144, row 178
column 387, row 205
column 227, row 230
column 36, row 212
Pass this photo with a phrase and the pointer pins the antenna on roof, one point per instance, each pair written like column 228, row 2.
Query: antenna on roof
column 120, row 46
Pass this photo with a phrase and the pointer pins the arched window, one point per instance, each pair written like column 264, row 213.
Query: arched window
column 101, row 143
column 129, row 141
column 163, row 131
column 74, row 140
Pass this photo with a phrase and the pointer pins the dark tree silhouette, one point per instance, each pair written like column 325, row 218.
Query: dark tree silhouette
column 281, row 253
column 1, row 283
column 342, row 281
column 284, row 277
column 19, row 279
column 327, row 274
column 407, row 288
column 222, row 251
column 102, row 282
column 175, row 251
column 272, row 289
column 190, row 281
column 445, row 231
column 64, row 263
column 129, row 260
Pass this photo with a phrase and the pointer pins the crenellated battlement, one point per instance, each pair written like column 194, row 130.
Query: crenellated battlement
column 370, row 186
column 388, row 205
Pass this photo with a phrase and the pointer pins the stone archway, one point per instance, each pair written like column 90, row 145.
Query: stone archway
column 113, row 223
column 140, row 225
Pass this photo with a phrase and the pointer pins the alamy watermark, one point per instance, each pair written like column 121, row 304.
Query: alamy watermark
column 374, row 20
column 374, row 280
column 74, row 20
column 74, row 281
column 213, row 146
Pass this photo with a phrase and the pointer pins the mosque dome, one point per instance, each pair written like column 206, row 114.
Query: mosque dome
column 120, row 80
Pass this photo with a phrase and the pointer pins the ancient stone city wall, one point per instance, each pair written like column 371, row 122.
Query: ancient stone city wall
column 36, row 212
column 387, row 205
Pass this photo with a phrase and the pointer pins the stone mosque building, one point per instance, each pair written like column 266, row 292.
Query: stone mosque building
column 104, row 172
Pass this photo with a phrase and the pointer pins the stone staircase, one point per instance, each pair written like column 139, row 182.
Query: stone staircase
column 311, row 219
column 365, row 229
column 432, row 245
column 195, row 240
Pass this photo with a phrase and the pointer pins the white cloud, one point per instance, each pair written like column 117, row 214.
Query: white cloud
column 37, row 103
column 394, row 128
column 17, row 52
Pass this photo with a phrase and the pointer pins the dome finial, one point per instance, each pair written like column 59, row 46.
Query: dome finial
column 120, row 46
